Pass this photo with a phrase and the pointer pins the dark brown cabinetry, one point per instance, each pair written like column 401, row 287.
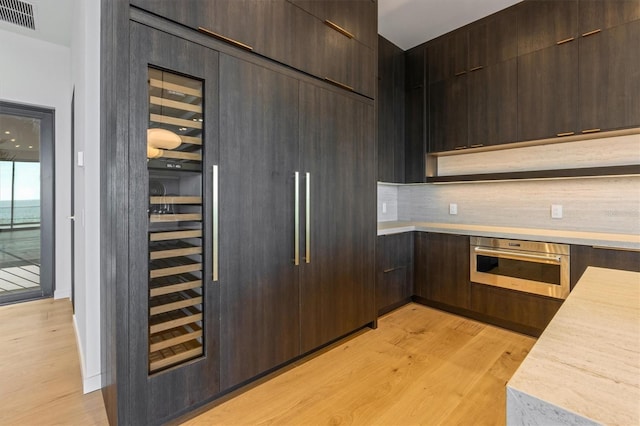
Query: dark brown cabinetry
column 585, row 256
column 415, row 115
column 442, row 269
column 544, row 23
column 338, row 261
column 547, row 92
column 609, row 72
column 394, row 271
column 280, row 30
column 259, row 282
column 598, row 15
column 390, row 102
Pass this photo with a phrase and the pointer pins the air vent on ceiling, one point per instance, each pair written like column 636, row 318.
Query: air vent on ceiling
column 17, row 12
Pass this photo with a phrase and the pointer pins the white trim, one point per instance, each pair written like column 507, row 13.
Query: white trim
column 64, row 293
column 91, row 383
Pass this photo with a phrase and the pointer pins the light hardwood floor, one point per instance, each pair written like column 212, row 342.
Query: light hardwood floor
column 421, row 366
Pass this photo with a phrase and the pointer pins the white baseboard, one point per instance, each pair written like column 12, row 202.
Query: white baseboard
column 89, row 383
column 64, row 293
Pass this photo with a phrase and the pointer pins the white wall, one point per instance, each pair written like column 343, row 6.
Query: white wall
column 38, row 73
column 85, row 75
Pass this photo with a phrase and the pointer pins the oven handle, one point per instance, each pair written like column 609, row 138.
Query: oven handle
column 538, row 258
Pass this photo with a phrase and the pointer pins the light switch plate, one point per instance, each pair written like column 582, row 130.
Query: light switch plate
column 384, row 207
column 556, row 211
column 453, row 208
column 80, row 158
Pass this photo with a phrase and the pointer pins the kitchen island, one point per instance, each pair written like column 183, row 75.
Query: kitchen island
column 585, row 368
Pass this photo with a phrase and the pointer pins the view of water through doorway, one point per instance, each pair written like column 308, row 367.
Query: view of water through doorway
column 26, row 202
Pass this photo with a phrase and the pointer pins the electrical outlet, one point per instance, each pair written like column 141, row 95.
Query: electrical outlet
column 556, row 211
column 384, row 207
column 453, row 208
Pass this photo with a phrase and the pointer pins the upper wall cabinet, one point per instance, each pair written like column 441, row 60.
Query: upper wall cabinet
column 544, row 23
column 358, row 18
column 282, row 31
column 415, row 118
column 598, row 15
column 493, row 40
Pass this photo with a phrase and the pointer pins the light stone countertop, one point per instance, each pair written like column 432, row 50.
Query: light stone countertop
column 599, row 239
column 585, row 368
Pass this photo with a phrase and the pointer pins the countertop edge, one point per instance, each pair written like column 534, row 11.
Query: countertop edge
column 625, row 241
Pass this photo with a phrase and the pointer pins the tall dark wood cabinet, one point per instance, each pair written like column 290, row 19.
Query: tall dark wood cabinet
column 258, row 159
column 338, row 249
column 415, row 115
column 390, row 106
column 172, row 337
column 240, row 224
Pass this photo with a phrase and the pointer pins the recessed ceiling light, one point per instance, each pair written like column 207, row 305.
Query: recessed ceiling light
column 7, row 132
column 13, row 139
column 17, row 146
column 30, row 146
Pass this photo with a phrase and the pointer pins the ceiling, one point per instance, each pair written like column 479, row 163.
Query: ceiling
column 408, row 23
column 53, row 20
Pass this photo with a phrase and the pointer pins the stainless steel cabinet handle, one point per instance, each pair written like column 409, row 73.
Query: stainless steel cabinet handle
column 307, row 229
column 216, row 206
column 538, row 258
column 296, row 221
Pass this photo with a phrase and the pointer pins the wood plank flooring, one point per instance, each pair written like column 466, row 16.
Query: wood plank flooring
column 40, row 379
column 421, row 366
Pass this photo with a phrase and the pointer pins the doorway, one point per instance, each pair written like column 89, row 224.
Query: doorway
column 26, row 202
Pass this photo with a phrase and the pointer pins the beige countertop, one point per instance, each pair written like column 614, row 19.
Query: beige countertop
column 620, row 241
column 585, row 368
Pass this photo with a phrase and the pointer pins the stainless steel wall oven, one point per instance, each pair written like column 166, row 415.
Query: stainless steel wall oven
column 528, row 266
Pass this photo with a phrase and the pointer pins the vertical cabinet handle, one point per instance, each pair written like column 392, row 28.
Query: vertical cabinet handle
column 296, row 221
column 307, row 209
column 216, row 206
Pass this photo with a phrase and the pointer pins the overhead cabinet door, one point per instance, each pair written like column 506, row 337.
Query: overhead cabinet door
column 338, row 153
column 173, row 302
column 258, row 161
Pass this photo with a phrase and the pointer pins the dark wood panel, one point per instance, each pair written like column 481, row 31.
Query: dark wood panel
column 585, row 256
column 390, row 101
column 394, row 280
column 548, row 92
column 415, row 67
column 493, row 104
column 493, row 39
column 338, row 285
column 415, row 142
column 442, row 268
column 543, row 23
column 609, row 73
column 600, row 15
column 358, row 17
column 531, row 311
column 448, row 124
column 258, row 280
column 158, row 397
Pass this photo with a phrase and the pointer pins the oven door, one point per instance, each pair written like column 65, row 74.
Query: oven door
column 546, row 274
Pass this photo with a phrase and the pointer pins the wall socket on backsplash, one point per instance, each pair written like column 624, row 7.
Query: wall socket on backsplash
column 556, row 211
column 453, row 208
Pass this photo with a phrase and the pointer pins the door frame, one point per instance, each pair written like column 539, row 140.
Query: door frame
column 47, row 198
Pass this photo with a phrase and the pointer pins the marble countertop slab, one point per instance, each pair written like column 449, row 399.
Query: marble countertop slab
column 585, row 367
column 599, row 239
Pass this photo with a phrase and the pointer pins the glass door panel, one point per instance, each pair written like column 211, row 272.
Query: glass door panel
column 174, row 163
column 21, row 205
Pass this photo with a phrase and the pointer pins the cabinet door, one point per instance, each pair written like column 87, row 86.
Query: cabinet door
column 597, row 15
column 548, row 92
column 358, row 17
column 448, row 125
column 493, row 104
column 609, row 74
column 493, row 40
column 173, row 346
column 415, row 142
column 585, row 256
column 442, row 268
column 394, row 281
column 543, row 23
column 390, row 102
column 338, row 271
column 258, row 159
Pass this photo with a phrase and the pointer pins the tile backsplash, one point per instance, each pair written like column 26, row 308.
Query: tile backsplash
column 387, row 202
